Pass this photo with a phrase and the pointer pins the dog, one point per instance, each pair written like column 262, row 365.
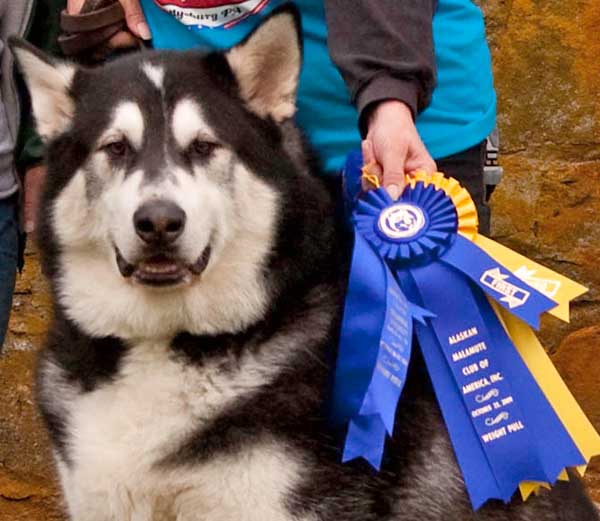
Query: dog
column 195, row 266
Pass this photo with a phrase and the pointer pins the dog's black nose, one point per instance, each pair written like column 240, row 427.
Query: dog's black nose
column 159, row 221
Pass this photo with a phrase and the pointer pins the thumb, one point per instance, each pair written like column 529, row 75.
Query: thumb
column 392, row 161
column 135, row 19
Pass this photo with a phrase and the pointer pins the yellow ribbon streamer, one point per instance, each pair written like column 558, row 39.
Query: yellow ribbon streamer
column 556, row 391
column 562, row 290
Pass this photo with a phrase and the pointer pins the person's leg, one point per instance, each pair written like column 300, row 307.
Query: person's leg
column 9, row 254
column 467, row 168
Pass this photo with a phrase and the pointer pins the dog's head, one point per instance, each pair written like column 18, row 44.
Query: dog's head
column 175, row 180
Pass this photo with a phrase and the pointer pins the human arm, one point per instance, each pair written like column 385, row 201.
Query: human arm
column 384, row 51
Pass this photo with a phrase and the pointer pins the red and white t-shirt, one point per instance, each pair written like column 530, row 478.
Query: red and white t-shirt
column 212, row 13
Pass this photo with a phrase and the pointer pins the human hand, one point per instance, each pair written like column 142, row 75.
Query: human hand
column 74, row 6
column 34, row 181
column 393, row 147
column 134, row 17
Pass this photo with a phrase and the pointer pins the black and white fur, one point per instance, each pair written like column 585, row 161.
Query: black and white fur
column 187, row 381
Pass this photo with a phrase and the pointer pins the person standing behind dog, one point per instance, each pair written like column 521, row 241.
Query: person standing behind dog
column 9, row 184
column 384, row 80
column 21, row 151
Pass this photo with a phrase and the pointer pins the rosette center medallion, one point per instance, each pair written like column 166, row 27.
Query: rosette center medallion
column 402, row 221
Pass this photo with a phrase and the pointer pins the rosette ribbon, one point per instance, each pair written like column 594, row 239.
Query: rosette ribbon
column 419, row 266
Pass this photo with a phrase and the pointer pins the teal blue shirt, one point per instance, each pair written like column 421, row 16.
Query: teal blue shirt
column 463, row 107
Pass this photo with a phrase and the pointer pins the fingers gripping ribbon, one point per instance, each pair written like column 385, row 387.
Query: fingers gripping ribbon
column 416, row 261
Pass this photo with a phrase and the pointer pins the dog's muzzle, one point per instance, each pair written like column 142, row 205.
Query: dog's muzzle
column 159, row 223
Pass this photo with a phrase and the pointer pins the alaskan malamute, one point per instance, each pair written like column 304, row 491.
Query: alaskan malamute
column 195, row 272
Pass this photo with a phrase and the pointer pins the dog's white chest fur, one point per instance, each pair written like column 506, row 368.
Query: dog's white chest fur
column 123, row 430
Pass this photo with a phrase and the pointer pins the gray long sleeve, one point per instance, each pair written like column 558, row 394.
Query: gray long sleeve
column 384, row 50
column 8, row 180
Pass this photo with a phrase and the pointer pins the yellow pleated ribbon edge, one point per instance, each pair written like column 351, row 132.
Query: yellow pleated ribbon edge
column 465, row 207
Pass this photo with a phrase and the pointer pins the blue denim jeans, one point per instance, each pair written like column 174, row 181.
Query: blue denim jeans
column 9, row 257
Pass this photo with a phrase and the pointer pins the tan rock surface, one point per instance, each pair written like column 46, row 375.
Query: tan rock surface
column 28, row 490
column 547, row 75
column 578, row 362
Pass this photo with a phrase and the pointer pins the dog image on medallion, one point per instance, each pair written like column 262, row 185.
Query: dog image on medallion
column 195, row 269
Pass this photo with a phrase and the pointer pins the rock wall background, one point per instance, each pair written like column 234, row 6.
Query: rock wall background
column 547, row 67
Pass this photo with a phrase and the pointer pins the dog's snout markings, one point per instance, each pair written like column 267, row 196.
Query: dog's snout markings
column 159, row 222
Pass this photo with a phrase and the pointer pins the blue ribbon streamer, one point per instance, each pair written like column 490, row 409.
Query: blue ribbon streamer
column 498, row 282
column 503, row 429
column 362, row 322
column 374, row 353
column 512, row 424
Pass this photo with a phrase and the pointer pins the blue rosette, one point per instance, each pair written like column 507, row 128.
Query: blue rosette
column 414, row 265
column 414, row 230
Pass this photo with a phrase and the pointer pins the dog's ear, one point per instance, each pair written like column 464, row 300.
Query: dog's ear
column 267, row 64
column 49, row 83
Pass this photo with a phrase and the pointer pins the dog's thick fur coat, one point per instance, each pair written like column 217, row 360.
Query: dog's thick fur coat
column 185, row 376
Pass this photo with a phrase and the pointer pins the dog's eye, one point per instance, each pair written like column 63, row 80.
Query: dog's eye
column 117, row 149
column 201, row 149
